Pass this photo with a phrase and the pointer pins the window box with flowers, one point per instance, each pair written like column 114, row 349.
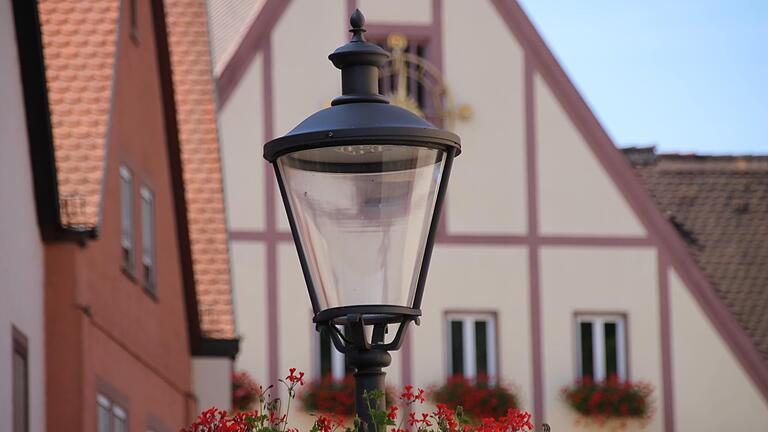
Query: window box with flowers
column 610, row 402
column 479, row 397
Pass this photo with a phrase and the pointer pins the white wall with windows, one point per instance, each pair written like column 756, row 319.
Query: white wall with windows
column 22, row 379
column 590, row 297
column 476, row 313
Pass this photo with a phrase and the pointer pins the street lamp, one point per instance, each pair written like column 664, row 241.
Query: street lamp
column 363, row 182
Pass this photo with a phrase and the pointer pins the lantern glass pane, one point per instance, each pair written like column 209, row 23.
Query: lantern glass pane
column 363, row 214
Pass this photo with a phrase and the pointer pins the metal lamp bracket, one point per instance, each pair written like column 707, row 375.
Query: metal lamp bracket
column 355, row 339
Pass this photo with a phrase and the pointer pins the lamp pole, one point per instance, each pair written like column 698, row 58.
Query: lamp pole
column 369, row 364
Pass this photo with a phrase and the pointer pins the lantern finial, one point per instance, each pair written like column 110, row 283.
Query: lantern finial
column 357, row 21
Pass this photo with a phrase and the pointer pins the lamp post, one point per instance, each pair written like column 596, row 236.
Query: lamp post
column 363, row 182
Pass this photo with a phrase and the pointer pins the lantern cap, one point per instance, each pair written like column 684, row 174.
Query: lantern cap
column 361, row 123
column 359, row 61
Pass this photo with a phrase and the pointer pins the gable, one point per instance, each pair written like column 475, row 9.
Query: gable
column 660, row 232
column 576, row 161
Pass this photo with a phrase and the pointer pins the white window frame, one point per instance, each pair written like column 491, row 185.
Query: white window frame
column 338, row 361
column 119, row 415
column 126, row 217
column 598, row 322
column 468, row 339
column 148, row 254
column 116, row 413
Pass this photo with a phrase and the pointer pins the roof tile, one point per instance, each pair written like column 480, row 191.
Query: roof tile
column 719, row 205
column 79, row 41
column 196, row 116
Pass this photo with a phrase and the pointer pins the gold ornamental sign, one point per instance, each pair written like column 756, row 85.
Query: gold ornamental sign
column 410, row 81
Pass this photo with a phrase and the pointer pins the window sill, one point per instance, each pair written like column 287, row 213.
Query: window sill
column 129, row 274
column 151, row 292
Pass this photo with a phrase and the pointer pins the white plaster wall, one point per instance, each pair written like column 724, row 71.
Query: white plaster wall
column 304, row 79
column 296, row 332
column 242, row 140
column 212, row 382
column 249, row 288
column 576, row 195
column 472, row 278
column 21, row 251
column 712, row 391
column 493, row 140
column 595, row 280
column 397, row 11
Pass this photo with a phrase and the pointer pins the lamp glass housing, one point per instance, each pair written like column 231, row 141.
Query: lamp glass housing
column 362, row 213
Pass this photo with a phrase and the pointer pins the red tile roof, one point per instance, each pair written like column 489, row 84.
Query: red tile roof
column 79, row 40
column 719, row 206
column 196, row 117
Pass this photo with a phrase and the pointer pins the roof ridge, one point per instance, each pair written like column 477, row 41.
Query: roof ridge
column 689, row 162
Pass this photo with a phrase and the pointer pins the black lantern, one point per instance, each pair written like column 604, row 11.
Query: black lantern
column 363, row 182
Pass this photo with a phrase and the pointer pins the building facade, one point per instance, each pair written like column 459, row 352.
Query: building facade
column 114, row 254
column 22, row 335
column 552, row 261
column 123, row 280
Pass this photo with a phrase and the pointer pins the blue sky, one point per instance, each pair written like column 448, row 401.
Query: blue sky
column 684, row 75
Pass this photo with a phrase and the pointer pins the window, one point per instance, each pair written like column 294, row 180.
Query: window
column 472, row 345
column 602, row 346
column 20, row 382
column 111, row 417
column 330, row 361
column 415, row 86
column 126, row 212
column 134, row 21
column 148, row 239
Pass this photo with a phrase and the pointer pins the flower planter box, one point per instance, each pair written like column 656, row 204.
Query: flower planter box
column 610, row 404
